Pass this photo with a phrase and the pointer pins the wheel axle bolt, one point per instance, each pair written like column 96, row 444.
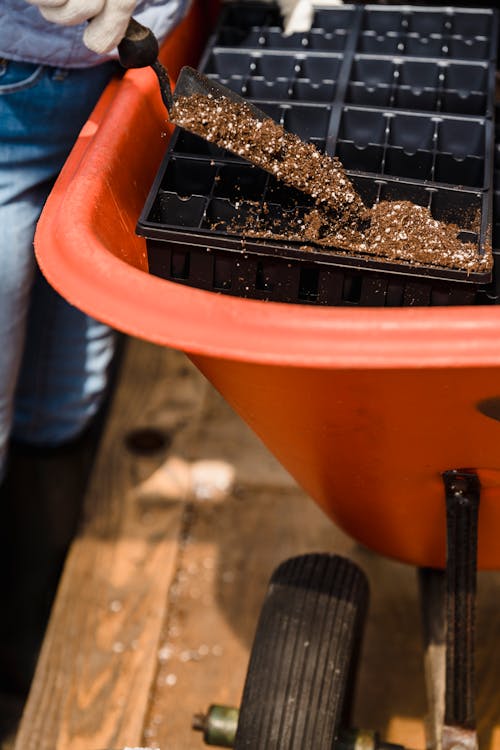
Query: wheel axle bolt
column 218, row 725
column 199, row 722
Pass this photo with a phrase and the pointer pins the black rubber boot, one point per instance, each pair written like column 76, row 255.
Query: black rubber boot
column 40, row 506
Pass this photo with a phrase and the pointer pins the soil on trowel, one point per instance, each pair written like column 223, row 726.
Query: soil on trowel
column 266, row 144
column 399, row 231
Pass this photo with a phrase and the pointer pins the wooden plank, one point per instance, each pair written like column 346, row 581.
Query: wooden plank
column 100, row 652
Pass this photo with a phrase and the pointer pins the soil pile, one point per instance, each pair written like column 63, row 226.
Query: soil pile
column 397, row 231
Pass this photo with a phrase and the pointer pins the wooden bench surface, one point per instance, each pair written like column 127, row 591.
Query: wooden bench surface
column 156, row 608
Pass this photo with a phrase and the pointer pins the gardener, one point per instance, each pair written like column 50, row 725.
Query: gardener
column 55, row 360
column 56, row 57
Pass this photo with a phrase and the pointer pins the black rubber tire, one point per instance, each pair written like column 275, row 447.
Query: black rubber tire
column 304, row 655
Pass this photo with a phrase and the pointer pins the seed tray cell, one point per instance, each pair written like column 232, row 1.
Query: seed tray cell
column 496, row 223
column 415, row 45
column 334, row 18
column 436, row 86
column 187, row 144
column 403, row 96
column 496, row 196
column 429, row 32
column 435, row 149
column 254, row 26
column 259, row 88
column 273, row 66
column 241, row 16
column 467, row 23
column 316, row 39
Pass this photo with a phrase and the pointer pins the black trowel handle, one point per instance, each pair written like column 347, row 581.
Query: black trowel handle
column 139, row 49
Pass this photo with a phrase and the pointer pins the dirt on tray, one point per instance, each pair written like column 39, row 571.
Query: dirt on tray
column 399, row 231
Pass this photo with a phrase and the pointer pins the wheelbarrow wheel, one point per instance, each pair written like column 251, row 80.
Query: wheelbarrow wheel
column 302, row 665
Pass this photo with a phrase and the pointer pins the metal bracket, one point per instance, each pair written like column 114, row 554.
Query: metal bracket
column 449, row 599
column 462, row 508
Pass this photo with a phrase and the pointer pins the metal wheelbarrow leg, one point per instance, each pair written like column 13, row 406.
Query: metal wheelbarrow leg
column 448, row 608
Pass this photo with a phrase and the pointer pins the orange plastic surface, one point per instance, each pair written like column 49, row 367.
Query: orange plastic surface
column 365, row 407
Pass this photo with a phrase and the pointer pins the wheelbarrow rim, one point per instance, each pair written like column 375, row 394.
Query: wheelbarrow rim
column 93, row 277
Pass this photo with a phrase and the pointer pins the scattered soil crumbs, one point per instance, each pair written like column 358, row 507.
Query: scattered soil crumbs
column 398, row 231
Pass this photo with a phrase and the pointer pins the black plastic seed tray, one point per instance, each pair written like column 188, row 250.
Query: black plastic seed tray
column 404, row 96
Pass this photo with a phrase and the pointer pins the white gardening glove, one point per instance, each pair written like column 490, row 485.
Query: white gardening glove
column 298, row 14
column 108, row 19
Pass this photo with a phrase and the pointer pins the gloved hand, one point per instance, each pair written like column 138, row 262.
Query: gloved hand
column 108, row 19
column 298, row 14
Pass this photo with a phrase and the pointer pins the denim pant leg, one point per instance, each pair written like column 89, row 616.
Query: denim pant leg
column 41, row 113
column 64, row 371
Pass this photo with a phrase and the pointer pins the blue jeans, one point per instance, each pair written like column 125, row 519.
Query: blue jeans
column 54, row 360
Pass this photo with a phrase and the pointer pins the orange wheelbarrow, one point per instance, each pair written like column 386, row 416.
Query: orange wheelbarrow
column 387, row 417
